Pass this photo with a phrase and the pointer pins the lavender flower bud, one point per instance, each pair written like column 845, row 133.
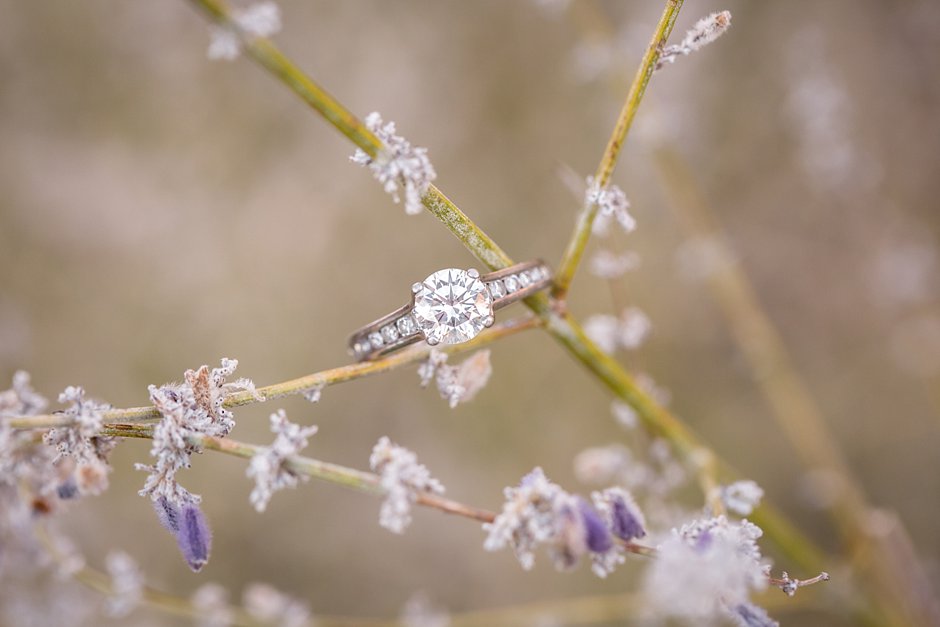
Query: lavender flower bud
column 626, row 519
column 572, row 536
column 597, row 536
column 67, row 489
column 168, row 513
column 194, row 537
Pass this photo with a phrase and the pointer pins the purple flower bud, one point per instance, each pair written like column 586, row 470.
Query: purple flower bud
column 193, row 536
column 597, row 536
column 626, row 519
column 168, row 513
column 67, row 489
column 749, row 615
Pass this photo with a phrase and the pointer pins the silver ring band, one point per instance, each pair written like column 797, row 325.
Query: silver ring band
column 449, row 307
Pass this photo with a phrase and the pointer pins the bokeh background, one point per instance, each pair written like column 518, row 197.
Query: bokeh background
column 160, row 211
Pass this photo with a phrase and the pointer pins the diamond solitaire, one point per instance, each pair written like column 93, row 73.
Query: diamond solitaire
column 452, row 306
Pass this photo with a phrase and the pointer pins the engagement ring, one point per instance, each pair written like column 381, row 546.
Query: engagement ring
column 451, row 306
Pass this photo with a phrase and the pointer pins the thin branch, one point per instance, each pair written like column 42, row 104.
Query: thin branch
column 582, row 231
column 351, row 478
column 324, row 378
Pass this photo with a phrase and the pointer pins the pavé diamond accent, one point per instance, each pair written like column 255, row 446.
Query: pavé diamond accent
column 511, row 284
column 375, row 338
column 524, row 279
column 389, row 333
column 496, row 289
column 451, row 306
column 406, row 326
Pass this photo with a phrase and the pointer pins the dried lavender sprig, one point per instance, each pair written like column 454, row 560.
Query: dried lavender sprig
column 704, row 32
column 301, row 385
column 317, row 469
column 582, row 231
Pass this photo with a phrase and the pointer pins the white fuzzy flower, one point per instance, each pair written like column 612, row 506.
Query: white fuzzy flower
column 190, row 408
column 127, row 584
column 603, row 329
column 602, row 465
column 270, row 606
column 625, row 415
column 27, row 476
column 313, row 394
column 528, row 517
column 211, row 600
column 609, row 265
column 398, row 166
column 612, row 204
column 628, row 331
column 428, row 368
column 704, row 568
column 258, row 20
column 704, row 32
column 267, row 466
column 741, row 497
column 21, row 399
column 402, row 478
column 85, row 419
column 459, row 384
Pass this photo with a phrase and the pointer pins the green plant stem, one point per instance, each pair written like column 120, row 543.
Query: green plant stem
column 582, row 231
column 556, row 321
column 300, row 385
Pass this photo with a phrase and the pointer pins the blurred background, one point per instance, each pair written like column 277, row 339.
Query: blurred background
column 160, row 211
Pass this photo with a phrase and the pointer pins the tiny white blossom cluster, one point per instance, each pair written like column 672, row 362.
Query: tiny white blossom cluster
column 706, row 570
column 258, row 20
column 190, row 408
column 21, row 399
column 270, row 606
column 612, row 204
column 28, row 481
column 402, row 478
column 609, row 265
column 211, row 599
column 704, row 32
column 628, row 331
column 539, row 512
column 741, row 497
column 265, row 605
column 400, row 167
column 79, row 440
column 127, row 584
column 460, row 384
column 267, row 467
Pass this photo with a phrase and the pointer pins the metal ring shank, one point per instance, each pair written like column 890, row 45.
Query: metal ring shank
column 398, row 329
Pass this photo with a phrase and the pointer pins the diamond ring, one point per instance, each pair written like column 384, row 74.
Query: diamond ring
column 451, row 306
